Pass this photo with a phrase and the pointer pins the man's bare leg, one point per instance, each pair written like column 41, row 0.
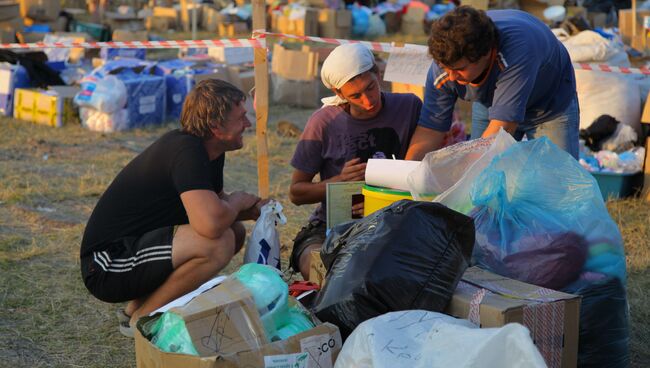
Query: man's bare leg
column 304, row 262
column 240, row 236
column 196, row 259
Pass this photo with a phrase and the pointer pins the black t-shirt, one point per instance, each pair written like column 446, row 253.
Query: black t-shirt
column 145, row 195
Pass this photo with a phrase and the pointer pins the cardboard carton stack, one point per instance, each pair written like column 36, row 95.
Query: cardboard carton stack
column 334, row 23
column 226, row 330
column 42, row 12
column 296, row 21
column 10, row 21
column 295, row 77
column 631, row 36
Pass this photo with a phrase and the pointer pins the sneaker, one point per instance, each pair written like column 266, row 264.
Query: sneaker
column 126, row 329
column 122, row 316
column 123, row 320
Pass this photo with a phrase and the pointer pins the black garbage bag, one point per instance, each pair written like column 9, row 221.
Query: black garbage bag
column 409, row 255
column 604, row 328
column 601, row 129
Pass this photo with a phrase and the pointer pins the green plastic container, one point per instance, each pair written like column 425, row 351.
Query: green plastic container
column 615, row 186
column 98, row 32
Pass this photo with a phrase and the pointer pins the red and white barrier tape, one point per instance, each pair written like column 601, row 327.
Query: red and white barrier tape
column 376, row 46
column 610, row 69
column 258, row 41
column 230, row 42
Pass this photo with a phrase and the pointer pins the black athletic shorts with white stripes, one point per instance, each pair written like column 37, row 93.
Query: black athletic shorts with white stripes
column 130, row 267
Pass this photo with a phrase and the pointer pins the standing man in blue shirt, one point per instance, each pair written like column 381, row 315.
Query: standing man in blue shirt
column 512, row 67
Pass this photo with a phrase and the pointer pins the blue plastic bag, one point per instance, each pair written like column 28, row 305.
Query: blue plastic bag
column 360, row 19
column 540, row 218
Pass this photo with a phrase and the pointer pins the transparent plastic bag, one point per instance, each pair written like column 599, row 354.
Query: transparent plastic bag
column 540, row 218
column 450, row 171
column 281, row 319
column 170, row 335
column 264, row 243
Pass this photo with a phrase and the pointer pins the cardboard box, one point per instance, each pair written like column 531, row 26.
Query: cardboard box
column 186, row 17
column 477, row 4
column 625, row 26
column 52, row 107
column 334, row 23
column 211, row 19
column 231, row 55
column 393, row 22
column 551, row 316
column 397, row 87
column 413, row 22
column 41, row 10
column 125, row 22
column 156, row 24
column 317, row 271
column 294, row 64
column 537, row 8
column 645, row 119
column 223, row 323
column 127, row 36
column 9, row 10
column 232, row 29
column 307, row 26
column 223, row 320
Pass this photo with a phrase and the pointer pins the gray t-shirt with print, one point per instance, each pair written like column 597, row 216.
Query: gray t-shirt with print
column 332, row 137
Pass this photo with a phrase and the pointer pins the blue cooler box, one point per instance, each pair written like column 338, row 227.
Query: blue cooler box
column 615, row 186
column 146, row 99
column 115, row 53
column 11, row 77
column 179, row 78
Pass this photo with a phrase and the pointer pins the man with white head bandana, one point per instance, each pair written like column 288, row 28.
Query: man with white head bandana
column 358, row 123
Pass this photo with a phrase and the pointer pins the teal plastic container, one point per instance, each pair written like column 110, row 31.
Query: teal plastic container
column 615, row 186
column 98, row 32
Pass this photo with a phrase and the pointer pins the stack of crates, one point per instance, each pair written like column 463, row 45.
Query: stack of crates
column 52, row 107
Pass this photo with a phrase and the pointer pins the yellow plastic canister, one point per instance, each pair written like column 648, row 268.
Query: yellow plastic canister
column 375, row 198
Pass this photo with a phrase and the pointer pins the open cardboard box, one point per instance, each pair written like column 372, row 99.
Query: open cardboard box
column 226, row 330
column 551, row 316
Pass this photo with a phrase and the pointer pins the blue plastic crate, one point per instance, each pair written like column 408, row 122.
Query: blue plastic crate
column 615, row 186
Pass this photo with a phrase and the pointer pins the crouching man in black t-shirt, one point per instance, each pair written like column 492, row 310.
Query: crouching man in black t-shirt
column 165, row 226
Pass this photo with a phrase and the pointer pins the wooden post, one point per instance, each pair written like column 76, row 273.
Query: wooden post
column 261, row 101
column 645, row 120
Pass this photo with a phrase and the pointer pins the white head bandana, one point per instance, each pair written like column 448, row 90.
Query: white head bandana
column 344, row 63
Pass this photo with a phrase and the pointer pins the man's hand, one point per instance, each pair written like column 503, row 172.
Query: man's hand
column 353, row 170
column 424, row 140
column 495, row 125
column 253, row 213
column 241, row 201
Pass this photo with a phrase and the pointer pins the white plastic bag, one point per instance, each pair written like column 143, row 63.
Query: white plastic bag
column 264, row 243
column 601, row 93
column 449, row 172
column 589, row 47
column 105, row 94
column 419, row 339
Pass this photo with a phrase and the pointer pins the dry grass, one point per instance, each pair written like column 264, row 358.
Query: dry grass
column 50, row 180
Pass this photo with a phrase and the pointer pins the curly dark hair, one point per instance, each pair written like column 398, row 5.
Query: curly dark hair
column 463, row 32
column 208, row 104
